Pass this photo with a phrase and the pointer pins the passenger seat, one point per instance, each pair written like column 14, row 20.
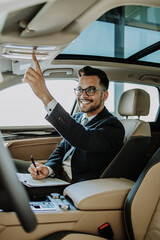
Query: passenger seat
column 130, row 160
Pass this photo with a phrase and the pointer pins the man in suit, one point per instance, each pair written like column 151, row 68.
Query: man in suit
column 85, row 150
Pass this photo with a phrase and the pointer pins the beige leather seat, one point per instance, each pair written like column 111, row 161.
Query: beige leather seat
column 141, row 210
column 134, row 103
column 130, row 160
column 142, row 207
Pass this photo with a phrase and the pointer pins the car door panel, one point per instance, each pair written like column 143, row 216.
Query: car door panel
column 39, row 148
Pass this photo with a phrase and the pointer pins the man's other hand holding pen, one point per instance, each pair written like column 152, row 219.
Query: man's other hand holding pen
column 37, row 170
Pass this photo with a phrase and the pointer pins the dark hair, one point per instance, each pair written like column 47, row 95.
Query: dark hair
column 89, row 71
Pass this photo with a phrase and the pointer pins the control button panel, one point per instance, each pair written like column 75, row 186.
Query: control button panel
column 54, row 202
column 64, row 206
column 55, row 195
column 43, row 206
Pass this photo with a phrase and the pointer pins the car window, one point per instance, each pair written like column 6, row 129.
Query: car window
column 116, row 89
column 20, row 107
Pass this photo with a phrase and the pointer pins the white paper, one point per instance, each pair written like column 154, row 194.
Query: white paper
column 27, row 180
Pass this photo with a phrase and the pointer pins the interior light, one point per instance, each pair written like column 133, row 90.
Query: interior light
column 12, row 51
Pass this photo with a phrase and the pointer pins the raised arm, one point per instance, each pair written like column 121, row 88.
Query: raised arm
column 36, row 80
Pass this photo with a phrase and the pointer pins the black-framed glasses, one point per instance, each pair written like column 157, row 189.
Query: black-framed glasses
column 90, row 91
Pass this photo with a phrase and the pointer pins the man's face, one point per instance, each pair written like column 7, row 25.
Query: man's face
column 91, row 105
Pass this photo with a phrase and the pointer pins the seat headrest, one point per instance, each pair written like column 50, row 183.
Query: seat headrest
column 134, row 102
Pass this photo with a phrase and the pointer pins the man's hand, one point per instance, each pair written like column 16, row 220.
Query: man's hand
column 36, row 81
column 42, row 170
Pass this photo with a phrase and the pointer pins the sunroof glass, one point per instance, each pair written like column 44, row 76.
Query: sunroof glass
column 120, row 33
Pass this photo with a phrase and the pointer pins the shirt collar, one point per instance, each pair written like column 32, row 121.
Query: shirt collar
column 89, row 118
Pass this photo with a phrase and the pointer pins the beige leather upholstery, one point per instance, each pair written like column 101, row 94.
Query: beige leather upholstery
column 99, row 194
column 77, row 236
column 145, row 206
column 41, row 148
column 154, row 228
column 134, row 102
column 136, row 127
column 142, row 210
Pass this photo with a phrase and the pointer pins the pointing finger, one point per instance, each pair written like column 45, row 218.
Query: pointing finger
column 36, row 63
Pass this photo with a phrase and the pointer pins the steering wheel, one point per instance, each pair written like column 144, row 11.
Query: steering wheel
column 13, row 194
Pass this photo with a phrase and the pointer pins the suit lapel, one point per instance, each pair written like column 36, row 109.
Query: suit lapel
column 103, row 114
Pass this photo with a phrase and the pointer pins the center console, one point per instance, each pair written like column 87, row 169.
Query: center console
column 98, row 194
column 82, row 207
column 53, row 202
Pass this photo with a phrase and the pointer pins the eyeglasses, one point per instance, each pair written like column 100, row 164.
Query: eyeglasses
column 90, row 91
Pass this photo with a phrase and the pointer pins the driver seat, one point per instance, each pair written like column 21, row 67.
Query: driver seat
column 141, row 209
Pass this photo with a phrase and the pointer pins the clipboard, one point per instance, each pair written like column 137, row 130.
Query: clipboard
column 28, row 181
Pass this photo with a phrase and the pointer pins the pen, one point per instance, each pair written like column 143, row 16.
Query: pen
column 32, row 159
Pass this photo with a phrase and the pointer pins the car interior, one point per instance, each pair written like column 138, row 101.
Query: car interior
column 120, row 37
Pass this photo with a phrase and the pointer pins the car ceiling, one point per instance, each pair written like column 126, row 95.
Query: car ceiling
column 55, row 23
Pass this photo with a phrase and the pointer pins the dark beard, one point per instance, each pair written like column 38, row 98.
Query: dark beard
column 92, row 109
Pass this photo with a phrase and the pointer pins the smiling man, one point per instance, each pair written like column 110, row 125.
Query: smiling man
column 87, row 148
column 92, row 90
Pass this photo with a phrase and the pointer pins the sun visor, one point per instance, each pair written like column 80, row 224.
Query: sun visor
column 53, row 17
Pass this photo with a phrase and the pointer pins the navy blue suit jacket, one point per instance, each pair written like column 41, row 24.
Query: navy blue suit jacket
column 95, row 145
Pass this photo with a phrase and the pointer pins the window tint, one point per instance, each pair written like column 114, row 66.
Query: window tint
column 20, row 107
